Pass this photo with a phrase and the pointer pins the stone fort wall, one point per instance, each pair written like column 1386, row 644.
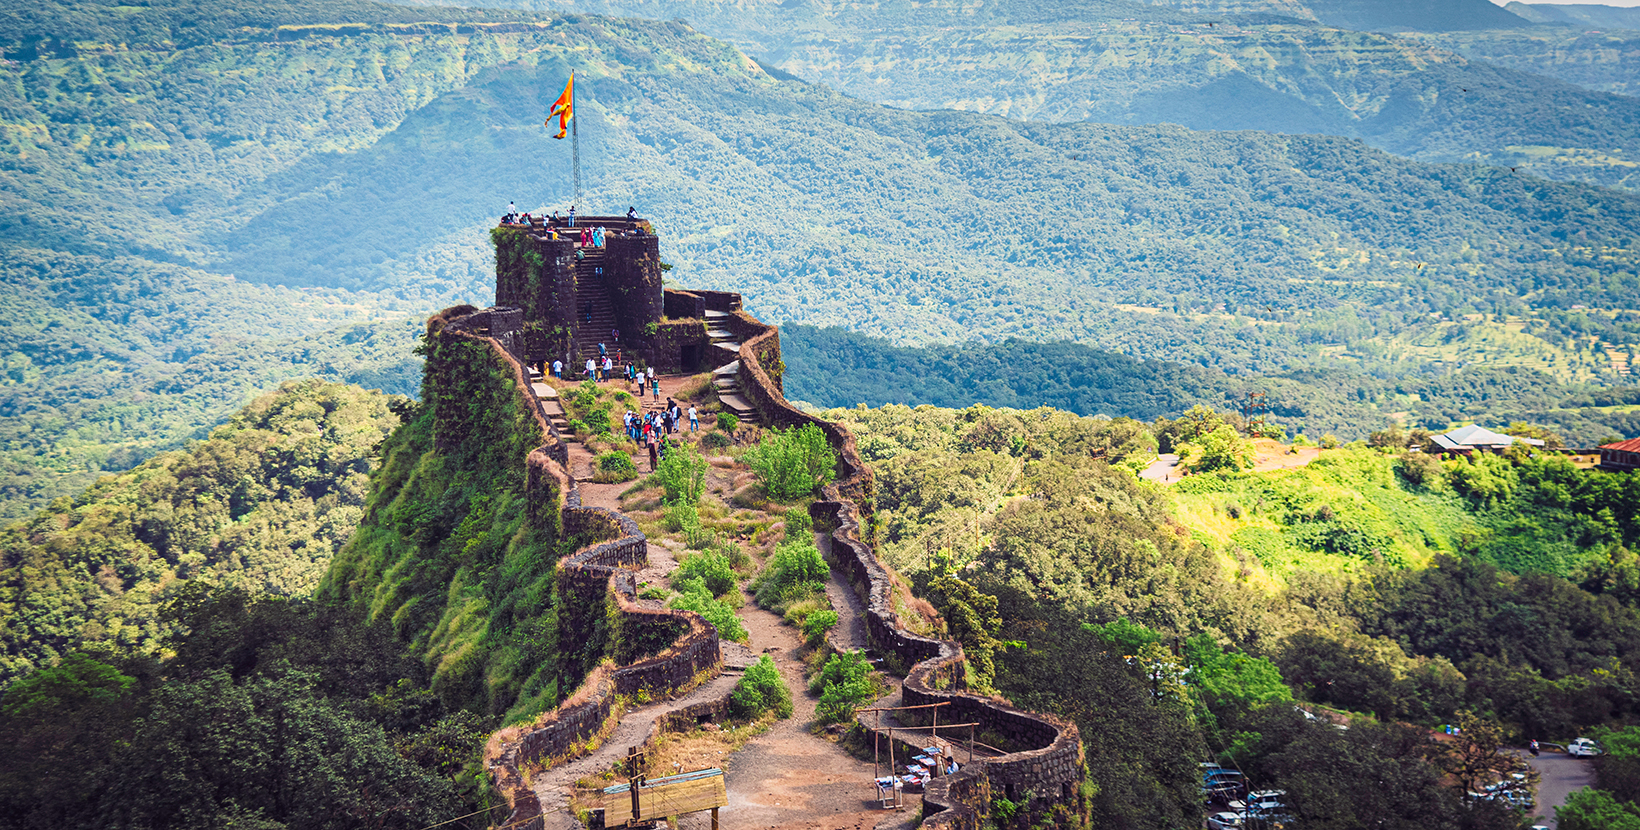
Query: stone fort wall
column 685, row 646
column 1043, row 773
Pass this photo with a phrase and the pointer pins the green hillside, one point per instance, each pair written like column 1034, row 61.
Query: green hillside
column 1393, row 586
column 360, row 163
column 1212, row 66
column 260, row 506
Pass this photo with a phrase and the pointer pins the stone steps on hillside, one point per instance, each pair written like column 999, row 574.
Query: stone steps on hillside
column 726, row 383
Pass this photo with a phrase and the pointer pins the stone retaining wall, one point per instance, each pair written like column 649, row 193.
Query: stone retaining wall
column 601, row 569
column 1048, row 768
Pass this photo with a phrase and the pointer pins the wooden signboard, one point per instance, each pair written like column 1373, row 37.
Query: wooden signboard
column 673, row 795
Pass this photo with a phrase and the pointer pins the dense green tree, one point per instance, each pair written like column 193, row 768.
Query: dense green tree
column 1595, row 809
column 262, row 505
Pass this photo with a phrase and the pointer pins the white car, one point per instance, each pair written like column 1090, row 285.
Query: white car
column 1224, row 821
column 1583, row 748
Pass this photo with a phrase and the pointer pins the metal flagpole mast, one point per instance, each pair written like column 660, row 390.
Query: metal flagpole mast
column 575, row 156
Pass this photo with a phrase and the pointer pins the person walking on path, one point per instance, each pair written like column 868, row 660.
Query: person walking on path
column 609, row 366
column 558, row 369
column 694, row 419
column 653, row 460
column 592, row 370
column 603, row 351
column 655, row 385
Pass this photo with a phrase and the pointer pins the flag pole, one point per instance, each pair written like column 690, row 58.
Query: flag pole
column 575, row 155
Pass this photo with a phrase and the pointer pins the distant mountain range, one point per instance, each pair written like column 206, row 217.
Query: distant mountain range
column 1283, row 66
column 1578, row 14
column 192, row 193
column 1374, row 15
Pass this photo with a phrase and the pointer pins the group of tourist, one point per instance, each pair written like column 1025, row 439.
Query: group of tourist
column 590, row 237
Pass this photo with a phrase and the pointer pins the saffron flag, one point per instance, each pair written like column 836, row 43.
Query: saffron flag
column 564, row 108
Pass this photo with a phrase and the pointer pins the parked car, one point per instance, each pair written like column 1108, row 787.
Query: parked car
column 1224, row 821
column 1583, row 748
column 1266, row 801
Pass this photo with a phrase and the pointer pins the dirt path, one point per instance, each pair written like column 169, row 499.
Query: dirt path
column 788, row 778
column 785, row 779
column 850, row 632
column 552, row 786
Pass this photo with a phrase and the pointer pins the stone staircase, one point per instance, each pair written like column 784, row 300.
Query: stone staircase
column 592, row 293
column 726, row 381
column 724, row 340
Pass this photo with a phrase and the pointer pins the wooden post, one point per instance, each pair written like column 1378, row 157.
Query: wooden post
column 935, row 733
column 970, row 744
column 714, row 818
column 634, row 778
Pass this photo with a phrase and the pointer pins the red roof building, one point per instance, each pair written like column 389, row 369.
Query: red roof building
column 1623, row 455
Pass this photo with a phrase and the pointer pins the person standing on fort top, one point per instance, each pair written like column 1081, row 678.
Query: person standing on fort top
column 572, row 216
column 558, row 369
column 512, row 208
column 598, row 237
column 555, row 219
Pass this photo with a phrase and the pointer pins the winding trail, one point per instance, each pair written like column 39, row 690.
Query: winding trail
column 787, row 778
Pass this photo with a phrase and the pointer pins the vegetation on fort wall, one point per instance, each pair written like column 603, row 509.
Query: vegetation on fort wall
column 445, row 554
column 261, row 506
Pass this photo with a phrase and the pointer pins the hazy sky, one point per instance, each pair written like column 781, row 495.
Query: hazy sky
column 1629, row 3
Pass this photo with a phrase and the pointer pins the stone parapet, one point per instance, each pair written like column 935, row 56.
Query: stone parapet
column 1046, row 768
column 669, row 650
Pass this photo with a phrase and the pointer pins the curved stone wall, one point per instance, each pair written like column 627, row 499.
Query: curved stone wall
column 599, row 571
column 1048, row 770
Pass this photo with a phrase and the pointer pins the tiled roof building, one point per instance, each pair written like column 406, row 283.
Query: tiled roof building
column 1623, row 455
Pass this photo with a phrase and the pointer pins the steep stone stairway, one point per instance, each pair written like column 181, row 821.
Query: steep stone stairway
column 592, row 294
column 726, row 381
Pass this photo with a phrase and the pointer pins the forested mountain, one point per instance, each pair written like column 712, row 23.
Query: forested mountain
column 1606, row 60
column 260, row 506
column 837, row 368
column 1245, row 66
column 360, row 163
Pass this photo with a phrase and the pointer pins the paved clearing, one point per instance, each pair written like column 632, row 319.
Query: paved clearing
column 1562, row 776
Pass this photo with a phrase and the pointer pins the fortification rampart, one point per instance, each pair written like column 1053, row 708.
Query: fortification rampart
column 663, row 651
column 1046, row 767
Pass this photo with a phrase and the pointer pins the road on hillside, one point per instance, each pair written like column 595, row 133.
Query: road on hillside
column 1562, row 775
